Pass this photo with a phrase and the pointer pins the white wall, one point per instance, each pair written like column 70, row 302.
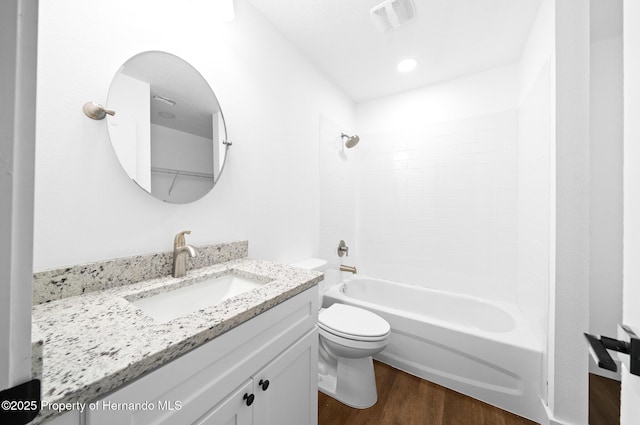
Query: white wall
column 338, row 174
column 477, row 94
column 534, row 147
column 437, row 185
column 271, row 97
column 536, row 143
column 569, row 301
column 630, row 397
column 18, row 36
column 556, row 61
column 605, row 244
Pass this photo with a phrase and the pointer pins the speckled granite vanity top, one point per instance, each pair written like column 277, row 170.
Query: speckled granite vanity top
column 98, row 341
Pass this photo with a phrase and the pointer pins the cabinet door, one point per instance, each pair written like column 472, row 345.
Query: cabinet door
column 291, row 395
column 231, row 411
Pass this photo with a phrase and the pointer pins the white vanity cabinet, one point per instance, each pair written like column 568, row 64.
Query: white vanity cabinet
column 231, row 411
column 224, row 381
column 283, row 389
column 282, row 392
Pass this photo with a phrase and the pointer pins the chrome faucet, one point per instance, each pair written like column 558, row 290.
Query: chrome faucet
column 343, row 249
column 180, row 251
column 351, row 269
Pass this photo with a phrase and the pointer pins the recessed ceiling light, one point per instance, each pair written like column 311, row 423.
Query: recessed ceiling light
column 167, row 115
column 407, row 65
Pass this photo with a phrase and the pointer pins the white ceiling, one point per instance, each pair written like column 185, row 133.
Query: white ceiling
column 448, row 38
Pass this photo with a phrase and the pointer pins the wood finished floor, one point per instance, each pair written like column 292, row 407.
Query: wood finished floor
column 404, row 399
column 604, row 401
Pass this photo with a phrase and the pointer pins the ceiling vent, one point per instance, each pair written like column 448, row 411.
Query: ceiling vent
column 391, row 14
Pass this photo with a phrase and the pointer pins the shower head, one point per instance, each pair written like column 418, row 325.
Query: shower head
column 350, row 141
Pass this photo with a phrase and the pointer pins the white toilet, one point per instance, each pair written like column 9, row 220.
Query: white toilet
column 349, row 336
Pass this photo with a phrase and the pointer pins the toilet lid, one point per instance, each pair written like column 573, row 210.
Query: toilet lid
column 352, row 322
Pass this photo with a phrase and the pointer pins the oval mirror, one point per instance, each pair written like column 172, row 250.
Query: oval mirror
column 168, row 130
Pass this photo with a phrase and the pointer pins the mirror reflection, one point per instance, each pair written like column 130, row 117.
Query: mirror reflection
column 168, row 132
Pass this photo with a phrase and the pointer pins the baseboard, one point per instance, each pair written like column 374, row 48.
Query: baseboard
column 546, row 417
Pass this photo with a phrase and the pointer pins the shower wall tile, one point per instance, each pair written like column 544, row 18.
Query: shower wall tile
column 438, row 206
column 337, row 194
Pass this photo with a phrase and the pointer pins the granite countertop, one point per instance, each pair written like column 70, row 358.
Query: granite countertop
column 98, row 341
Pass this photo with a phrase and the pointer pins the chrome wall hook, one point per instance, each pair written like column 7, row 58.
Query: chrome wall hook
column 630, row 345
column 95, row 111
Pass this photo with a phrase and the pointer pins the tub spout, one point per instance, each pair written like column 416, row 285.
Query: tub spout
column 351, row 269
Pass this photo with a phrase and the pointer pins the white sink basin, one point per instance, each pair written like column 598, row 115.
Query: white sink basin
column 166, row 306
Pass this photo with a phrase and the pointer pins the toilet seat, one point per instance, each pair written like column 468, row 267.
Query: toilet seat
column 353, row 323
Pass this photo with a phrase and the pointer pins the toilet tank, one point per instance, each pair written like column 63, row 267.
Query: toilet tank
column 331, row 276
column 317, row 264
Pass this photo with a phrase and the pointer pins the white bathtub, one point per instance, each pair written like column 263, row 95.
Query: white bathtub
column 480, row 348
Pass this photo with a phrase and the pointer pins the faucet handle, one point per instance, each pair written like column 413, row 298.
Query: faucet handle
column 179, row 241
column 343, row 249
